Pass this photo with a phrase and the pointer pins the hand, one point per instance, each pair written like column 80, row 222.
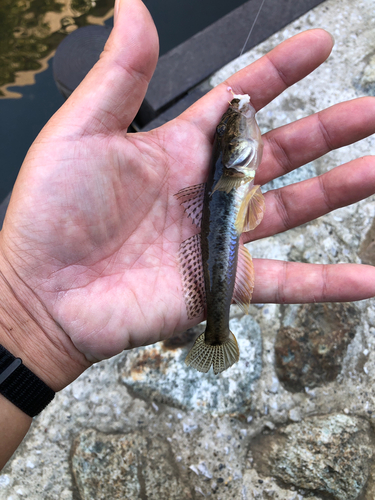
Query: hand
column 93, row 229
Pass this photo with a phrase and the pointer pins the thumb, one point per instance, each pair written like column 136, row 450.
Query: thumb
column 109, row 97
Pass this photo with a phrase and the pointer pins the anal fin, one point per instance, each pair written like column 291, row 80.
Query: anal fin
column 202, row 356
column 191, row 270
column 251, row 212
column 244, row 282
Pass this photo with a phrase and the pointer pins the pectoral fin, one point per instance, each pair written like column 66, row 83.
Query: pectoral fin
column 227, row 183
column 251, row 212
column 244, row 283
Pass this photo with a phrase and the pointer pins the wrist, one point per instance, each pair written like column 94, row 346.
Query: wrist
column 29, row 332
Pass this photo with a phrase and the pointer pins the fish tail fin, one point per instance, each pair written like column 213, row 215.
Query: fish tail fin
column 202, row 356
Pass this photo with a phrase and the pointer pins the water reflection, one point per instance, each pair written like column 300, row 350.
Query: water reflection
column 30, row 31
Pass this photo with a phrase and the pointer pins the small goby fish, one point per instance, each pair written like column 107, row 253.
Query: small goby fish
column 216, row 268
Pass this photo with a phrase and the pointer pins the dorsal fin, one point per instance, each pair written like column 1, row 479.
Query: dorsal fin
column 191, row 270
column 191, row 198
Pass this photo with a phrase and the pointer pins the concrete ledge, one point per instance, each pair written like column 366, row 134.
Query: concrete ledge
column 188, row 64
column 3, row 208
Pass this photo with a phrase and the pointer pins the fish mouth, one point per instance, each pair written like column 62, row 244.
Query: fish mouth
column 243, row 106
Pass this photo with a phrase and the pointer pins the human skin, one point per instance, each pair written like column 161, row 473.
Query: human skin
column 88, row 250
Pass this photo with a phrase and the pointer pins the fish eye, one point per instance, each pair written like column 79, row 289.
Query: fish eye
column 220, row 129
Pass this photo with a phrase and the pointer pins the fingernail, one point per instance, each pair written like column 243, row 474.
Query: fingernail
column 333, row 38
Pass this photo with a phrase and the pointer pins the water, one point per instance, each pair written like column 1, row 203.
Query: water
column 29, row 33
column 22, row 31
column 178, row 20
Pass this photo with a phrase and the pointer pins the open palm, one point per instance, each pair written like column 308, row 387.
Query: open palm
column 93, row 228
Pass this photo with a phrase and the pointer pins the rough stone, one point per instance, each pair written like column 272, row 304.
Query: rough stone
column 310, row 353
column 367, row 81
column 367, row 250
column 183, row 339
column 259, row 487
column 161, row 375
column 126, row 466
column 330, row 454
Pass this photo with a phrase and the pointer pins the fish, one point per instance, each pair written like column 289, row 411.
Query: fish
column 216, row 268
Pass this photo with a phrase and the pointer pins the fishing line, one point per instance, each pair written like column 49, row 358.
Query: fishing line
column 252, row 27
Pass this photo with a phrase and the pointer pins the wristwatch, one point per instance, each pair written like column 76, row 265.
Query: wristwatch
column 21, row 386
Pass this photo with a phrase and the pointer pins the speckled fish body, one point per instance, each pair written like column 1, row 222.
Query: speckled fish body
column 219, row 244
column 230, row 204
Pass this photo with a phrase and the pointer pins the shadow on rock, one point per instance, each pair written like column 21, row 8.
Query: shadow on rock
column 310, row 349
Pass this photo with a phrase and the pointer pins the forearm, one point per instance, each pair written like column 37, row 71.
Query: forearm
column 14, row 425
column 28, row 332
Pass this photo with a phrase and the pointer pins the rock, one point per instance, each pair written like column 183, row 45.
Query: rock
column 309, row 352
column 183, row 339
column 125, row 466
column 367, row 82
column 159, row 374
column 367, row 250
column 330, row 454
column 258, row 487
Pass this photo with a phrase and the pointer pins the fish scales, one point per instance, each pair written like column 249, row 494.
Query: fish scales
column 219, row 244
column 230, row 204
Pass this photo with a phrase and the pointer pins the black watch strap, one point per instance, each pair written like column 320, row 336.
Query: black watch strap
column 24, row 389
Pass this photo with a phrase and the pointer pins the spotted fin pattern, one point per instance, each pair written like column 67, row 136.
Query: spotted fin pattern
column 202, row 356
column 244, row 284
column 191, row 199
column 191, row 270
column 251, row 212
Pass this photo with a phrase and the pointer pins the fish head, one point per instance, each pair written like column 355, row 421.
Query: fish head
column 241, row 144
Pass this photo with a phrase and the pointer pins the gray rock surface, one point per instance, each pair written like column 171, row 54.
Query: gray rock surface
column 209, row 450
column 329, row 454
column 162, row 376
column 131, row 465
column 310, row 353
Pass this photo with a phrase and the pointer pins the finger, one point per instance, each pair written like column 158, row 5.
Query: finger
column 296, row 283
column 109, row 97
column 305, row 140
column 266, row 78
column 293, row 205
